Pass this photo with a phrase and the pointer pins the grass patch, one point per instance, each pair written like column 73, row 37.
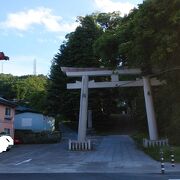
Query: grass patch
column 44, row 137
column 154, row 152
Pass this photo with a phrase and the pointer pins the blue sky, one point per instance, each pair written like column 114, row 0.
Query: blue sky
column 34, row 29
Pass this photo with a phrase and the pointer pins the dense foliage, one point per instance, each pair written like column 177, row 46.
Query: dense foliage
column 77, row 51
column 149, row 37
column 25, row 90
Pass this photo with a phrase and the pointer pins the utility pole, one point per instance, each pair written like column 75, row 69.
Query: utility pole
column 34, row 67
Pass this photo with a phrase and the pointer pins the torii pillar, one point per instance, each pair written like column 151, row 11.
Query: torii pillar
column 83, row 109
column 152, row 126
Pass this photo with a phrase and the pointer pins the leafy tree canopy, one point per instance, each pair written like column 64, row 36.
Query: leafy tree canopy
column 26, row 90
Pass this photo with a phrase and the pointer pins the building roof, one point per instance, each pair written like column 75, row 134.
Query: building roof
column 7, row 102
column 22, row 109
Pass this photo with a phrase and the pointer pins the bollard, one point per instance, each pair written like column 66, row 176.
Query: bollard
column 70, row 144
column 162, row 162
column 89, row 145
column 172, row 157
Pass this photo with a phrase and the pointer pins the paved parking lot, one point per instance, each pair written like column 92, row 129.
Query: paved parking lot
column 116, row 153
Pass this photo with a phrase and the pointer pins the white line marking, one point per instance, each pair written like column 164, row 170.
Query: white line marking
column 25, row 161
column 173, row 179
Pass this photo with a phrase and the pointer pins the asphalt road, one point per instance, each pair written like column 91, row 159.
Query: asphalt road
column 89, row 176
column 112, row 154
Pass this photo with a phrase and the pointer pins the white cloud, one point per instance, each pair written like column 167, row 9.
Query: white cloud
column 110, row 6
column 24, row 20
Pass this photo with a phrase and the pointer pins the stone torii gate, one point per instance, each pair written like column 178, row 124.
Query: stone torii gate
column 82, row 143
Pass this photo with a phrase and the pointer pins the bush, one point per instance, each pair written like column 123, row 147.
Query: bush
column 30, row 137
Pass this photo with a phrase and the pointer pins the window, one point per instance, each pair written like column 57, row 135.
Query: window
column 7, row 131
column 8, row 111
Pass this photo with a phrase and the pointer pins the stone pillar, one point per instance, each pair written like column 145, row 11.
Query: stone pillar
column 83, row 110
column 152, row 126
column 89, row 119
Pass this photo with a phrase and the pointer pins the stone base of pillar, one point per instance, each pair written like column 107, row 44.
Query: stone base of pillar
column 75, row 145
column 154, row 143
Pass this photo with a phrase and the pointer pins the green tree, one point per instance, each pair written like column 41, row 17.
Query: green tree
column 36, row 90
column 149, row 37
column 6, row 86
column 26, row 90
column 77, row 51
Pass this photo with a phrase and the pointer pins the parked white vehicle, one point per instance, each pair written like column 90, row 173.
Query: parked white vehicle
column 9, row 140
column 6, row 142
column 3, row 144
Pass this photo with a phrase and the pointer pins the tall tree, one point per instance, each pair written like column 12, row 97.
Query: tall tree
column 77, row 51
column 149, row 37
